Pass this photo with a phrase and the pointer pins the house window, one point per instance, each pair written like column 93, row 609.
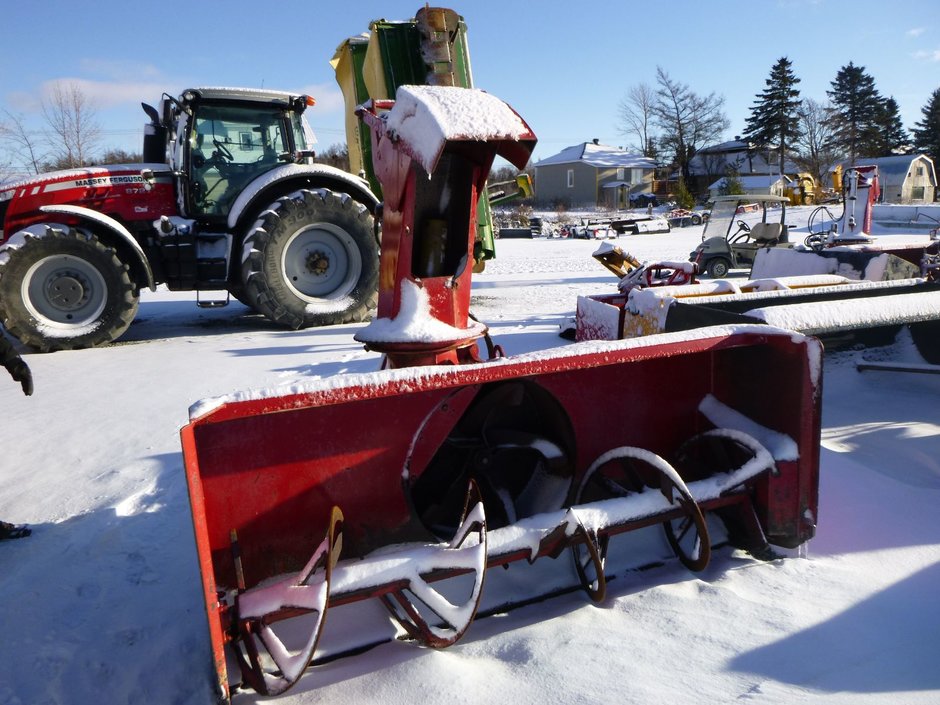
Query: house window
column 917, row 193
column 570, row 178
column 620, row 173
column 920, row 171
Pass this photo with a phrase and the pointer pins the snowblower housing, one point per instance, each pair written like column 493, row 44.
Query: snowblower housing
column 432, row 154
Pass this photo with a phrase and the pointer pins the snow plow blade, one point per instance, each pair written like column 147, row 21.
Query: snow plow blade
column 383, row 485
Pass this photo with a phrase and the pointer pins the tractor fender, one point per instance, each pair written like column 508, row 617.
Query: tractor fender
column 116, row 228
column 297, row 176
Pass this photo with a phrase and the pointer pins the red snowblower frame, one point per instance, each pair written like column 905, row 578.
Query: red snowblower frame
column 469, row 464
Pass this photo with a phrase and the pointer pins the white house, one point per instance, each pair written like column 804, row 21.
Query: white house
column 592, row 174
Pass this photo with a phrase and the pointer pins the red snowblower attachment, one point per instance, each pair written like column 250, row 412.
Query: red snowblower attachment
column 409, row 483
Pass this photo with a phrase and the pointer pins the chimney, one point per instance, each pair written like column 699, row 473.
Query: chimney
column 596, row 140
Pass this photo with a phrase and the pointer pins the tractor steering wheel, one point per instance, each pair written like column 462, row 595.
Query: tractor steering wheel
column 223, row 150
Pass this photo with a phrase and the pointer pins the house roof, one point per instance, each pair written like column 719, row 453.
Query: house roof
column 730, row 146
column 714, row 160
column 598, row 155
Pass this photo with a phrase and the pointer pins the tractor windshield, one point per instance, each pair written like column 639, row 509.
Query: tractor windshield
column 228, row 147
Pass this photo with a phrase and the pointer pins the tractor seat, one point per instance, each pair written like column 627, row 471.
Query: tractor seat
column 766, row 232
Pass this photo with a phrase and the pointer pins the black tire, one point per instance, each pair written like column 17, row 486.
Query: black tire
column 696, row 219
column 291, row 239
column 718, row 268
column 238, row 293
column 926, row 337
column 63, row 289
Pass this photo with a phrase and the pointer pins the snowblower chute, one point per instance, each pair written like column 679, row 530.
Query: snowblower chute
column 406, row 482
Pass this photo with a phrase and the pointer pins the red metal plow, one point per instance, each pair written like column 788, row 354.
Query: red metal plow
column 563, row 449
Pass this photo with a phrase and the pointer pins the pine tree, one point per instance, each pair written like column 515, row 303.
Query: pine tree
column 731, row 184
column 774, row 118
column 684, row 199
column 927, row 131
column 857, row 107
column 894, row 137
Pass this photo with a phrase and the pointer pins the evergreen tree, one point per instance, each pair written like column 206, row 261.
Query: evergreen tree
column 927, row 131
column 731, row 185
column 774, row 119
column 684, row 199
column 894, row 137
column 857, row 109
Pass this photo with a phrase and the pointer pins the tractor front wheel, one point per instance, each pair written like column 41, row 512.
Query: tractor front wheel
column 311, row 259
column 63, row 289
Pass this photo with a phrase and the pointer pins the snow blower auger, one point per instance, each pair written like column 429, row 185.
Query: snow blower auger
column 467, row 464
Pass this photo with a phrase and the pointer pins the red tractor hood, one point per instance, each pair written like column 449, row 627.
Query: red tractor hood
column 129, row 192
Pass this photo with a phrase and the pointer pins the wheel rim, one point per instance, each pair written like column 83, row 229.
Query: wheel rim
column 63, row 291
column 321, row 261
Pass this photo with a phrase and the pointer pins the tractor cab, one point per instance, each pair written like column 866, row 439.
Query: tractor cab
column 731, row 238
column 222, row 139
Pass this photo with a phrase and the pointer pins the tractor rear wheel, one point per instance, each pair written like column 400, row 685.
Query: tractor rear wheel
column 63, row 289
column 311, row 259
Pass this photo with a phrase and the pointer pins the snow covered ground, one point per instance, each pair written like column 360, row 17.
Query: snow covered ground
column 103, row 605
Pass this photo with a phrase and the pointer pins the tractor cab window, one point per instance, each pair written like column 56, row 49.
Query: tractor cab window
column 229, row 147
column 304, row 139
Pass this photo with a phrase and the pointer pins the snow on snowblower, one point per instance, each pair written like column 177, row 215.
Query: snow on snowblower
column 406, row 485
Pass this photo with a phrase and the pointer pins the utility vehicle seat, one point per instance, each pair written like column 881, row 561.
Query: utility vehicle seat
column 766, row 232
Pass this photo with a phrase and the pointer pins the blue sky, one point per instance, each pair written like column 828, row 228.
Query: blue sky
column 564, row 66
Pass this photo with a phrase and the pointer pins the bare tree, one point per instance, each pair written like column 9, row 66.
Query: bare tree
column 688, row 121
column 74, row 132
column 635, row 111
column 25, row 150
column 336, row 155
column 813, row 149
